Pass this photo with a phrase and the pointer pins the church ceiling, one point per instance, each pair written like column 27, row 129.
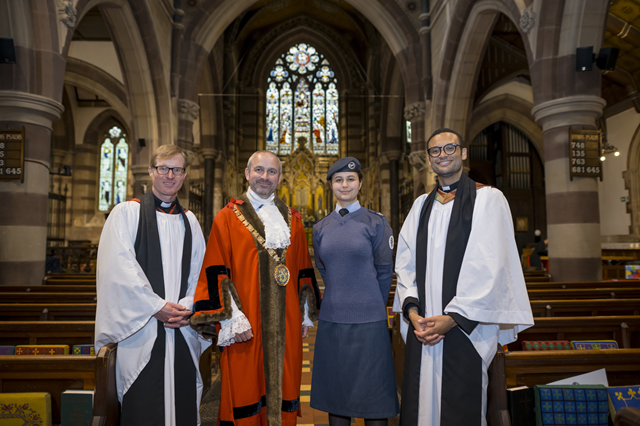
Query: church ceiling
column 92, row 27
column 266, row 15
column 623, row 32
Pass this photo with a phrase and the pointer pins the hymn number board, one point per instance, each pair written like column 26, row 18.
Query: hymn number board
column 584, row 153
column 12, row 154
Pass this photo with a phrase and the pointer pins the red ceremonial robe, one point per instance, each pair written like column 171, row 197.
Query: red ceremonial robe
column 265, row 372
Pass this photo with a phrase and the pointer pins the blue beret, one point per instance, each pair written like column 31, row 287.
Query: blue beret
column 346, row 164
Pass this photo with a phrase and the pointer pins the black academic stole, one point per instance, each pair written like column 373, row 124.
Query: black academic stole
column 461, row 398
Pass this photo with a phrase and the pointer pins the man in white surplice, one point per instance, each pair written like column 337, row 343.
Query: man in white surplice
column 149, row 261
column 461, row 286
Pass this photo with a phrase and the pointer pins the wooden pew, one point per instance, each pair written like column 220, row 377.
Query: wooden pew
column 47, row 312
column 623, row 329
column 47, row 333
column 60, row 278
column 47, row 289
column 514, row 369
column 585, row 307
column 589, row 293
column 628, row 416
column 57, row 373
column 38, row 297
column 582, row 284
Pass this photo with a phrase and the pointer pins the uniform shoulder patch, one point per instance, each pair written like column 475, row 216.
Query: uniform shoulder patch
column 391, row 242
column 378, row 213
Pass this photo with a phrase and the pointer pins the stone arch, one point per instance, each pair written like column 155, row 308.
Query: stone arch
column 297, row 30
column 461, row 65
column 632, row 183
column 95, row 80
column 510, row 109
column 388, row 18
column 135, row 39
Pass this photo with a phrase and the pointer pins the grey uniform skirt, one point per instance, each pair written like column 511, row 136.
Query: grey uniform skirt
column 353, row 371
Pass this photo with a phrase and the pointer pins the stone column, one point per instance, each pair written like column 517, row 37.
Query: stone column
column 141, row 180
column 394, row 193
column 573, row 212
column 209, row 188
column 187, row 112
column 415, row 113
column 23, row 211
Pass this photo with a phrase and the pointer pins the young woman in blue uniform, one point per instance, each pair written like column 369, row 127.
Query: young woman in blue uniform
column 353, row 372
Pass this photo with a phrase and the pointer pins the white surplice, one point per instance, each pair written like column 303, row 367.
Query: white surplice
column 127, row 303
column 490, row 290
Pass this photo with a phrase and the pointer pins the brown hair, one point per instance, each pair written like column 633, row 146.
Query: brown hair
column 166, row 151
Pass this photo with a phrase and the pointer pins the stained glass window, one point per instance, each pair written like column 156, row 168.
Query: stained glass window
column 302, row 101
column 114, row 165
column 408, row 124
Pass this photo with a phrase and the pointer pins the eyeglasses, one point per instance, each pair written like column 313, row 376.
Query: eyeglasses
column 448, row 149
column 163, row 170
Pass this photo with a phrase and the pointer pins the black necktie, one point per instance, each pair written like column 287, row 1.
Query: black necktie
column 343, row 212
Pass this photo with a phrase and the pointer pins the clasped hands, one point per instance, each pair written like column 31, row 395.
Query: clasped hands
column 430, row 331
column 173, row 315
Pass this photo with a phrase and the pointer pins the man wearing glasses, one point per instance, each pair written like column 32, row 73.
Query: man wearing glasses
column 460, row 289
column 149, row 261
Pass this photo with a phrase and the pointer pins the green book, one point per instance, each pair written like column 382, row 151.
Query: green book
column 76, row 407
column 571, row 405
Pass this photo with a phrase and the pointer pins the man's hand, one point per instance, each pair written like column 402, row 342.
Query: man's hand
column 438, row 327
column 243, row 337
column 305, row 331
column 173, row 315
column 420, row 326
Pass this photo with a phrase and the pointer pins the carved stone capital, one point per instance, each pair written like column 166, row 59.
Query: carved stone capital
column 415, row 110
column 527, row 20
column 67, row 14
column 580, row 110
column 188, row 110
column 393, row 155
column 418, row 160
column 209, row 153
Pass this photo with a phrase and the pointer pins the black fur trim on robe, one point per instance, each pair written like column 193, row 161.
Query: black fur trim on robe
column 148, row 389
column 273, row 309
column 461, row 364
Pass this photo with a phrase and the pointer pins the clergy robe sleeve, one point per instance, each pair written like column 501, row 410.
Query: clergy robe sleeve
column 406, row 287
column 491, row 287
column 383, row 257
column 126, row 301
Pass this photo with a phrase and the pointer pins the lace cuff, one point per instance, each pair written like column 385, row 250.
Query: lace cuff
column 237, row 324
column 307, row 321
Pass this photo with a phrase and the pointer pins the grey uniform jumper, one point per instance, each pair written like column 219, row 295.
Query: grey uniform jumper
column 353, row 366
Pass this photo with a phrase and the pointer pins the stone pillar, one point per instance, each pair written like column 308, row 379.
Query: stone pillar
column 209, row 188
column 23, row 211
column 141, row 180
column 84, row 178
column 187, row 112
column 394, row 193
column 573, row 212
column 415, row 113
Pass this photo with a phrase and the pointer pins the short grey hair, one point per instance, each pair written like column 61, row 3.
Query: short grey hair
column 263, row 152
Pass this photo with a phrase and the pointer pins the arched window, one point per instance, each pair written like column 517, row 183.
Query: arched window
column 302, row 101
column 114, row 163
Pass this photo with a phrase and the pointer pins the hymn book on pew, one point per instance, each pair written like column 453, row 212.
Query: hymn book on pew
column 77, row 407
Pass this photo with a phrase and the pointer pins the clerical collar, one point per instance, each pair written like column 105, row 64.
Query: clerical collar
column 449, row 188
column 165, row 207
column 351, row 207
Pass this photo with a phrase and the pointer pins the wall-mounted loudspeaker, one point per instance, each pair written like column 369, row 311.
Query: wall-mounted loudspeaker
column 584, row 58
column 142, row 142
column 7, row 51
column 606, row 60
